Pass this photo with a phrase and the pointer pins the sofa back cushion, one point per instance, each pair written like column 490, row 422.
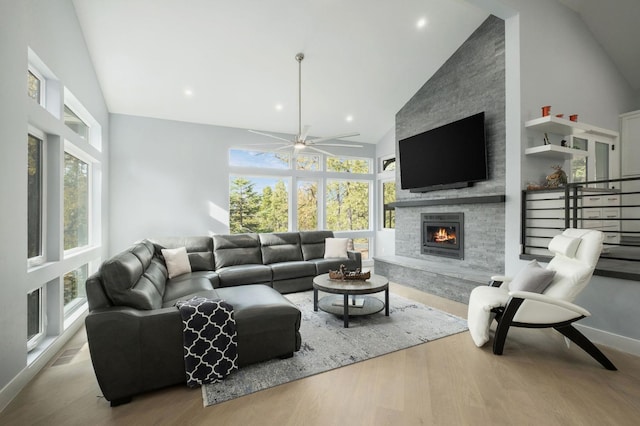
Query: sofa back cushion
column 280, row 247
column 312, row 243
column 236, row 249
column 199, row 250
column 133, row 278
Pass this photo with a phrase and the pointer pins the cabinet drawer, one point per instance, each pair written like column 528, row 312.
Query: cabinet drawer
column 591, row 213
column 592, row 224
column 592, row 200
column 611, row 213
column 610, row 200
column 611, row 238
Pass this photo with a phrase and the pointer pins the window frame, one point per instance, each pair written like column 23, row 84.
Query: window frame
column 37, row 338
column 71, row 149
column 42, row 258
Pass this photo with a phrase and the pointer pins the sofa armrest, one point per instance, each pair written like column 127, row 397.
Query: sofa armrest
column 356, row 256
column 134, row 351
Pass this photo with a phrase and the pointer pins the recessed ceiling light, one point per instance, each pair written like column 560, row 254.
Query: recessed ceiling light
column 422, row 22
column 349, row 118
column 279, row 107
column 188, row 92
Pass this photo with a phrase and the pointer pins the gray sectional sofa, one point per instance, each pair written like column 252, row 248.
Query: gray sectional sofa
column 134, row 330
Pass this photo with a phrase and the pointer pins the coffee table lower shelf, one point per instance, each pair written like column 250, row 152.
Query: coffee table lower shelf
column 363, row 305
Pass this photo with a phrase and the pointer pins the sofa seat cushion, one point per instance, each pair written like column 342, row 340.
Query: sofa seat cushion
column 324, row 265
column 268, row 323
column 244, row 274
column 186, row 287
column 288, row 270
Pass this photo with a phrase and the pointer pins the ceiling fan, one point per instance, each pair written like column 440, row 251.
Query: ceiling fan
column 302, row 140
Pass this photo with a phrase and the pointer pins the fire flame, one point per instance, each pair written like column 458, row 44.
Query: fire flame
column 442, row 236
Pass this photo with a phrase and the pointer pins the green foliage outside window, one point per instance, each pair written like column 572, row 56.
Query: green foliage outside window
column 250, row 211
column 76, row 202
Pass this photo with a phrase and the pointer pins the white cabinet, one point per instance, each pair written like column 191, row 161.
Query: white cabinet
column 630, row 135
column 602, row 211
column 630, row 152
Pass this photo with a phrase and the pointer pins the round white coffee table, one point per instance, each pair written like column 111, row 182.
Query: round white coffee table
column 339, row 302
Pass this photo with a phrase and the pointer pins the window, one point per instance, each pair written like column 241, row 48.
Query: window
column 35, row 317
column 388, row 197
column 347, row 205
column 307, row 162
column 348, row 165
column 361, row 245
column 74, row 289
column 307, row 205
column 76, row 202
column 75, row 123
column 35, row 197
column 263, row 159
column 258, row 204
column 35, row 86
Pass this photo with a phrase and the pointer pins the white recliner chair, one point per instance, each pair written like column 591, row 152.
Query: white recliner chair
column 541, row 298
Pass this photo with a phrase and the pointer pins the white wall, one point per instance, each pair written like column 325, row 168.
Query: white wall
column 385, row 238
column 51, row 29
column 172, row 178
column 558, row 62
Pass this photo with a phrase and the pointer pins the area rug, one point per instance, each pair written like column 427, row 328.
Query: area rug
column 326, row 344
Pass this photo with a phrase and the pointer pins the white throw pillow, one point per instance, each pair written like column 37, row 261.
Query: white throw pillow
column 533, row 278
column 177, row 261
column 335, row 247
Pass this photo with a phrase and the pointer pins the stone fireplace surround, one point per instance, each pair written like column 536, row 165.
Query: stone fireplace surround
column 447, row 277
column 470, row 81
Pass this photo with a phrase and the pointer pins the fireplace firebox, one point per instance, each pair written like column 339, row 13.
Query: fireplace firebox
column 443, row 234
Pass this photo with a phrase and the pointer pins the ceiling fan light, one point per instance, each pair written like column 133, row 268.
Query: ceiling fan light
column 298, row 145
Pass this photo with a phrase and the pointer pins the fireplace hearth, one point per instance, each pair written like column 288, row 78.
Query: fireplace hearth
column 443, row 234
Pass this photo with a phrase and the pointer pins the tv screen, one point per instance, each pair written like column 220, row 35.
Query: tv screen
column 450, row 156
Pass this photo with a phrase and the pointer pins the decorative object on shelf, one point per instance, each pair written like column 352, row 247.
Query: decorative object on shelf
column 546, row 110
column 559, row 115
column 546, row 139
column 557, row 178
column 532, row 186
column 563, row 142
column 345, row 275
column 573, row 117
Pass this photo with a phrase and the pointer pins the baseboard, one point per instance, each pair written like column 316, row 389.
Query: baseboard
column 13, row 388
column 612, row 340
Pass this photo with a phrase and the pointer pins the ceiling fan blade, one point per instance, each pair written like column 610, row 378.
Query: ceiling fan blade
column 348, row 145
column 305, row 132
column 270, row 136
column 345, row 135
column 266, row 144
column 287, row 146
column 320, row 150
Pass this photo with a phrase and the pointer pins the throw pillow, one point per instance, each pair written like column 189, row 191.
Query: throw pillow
column 335, row 247
column 533, row 278
column 177, row 261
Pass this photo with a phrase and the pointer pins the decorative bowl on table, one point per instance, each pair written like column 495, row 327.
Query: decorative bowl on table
column 343, row 274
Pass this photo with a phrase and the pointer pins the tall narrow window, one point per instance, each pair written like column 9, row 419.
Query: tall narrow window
column 388, row 197
column 74, row 289
column 75, row 123
column 347, row 205
column 35, row 317
column 34, row 199
column 76, row 202
column 307, row 205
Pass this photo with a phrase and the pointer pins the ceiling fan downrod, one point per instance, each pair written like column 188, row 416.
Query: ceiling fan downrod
column 299, row 58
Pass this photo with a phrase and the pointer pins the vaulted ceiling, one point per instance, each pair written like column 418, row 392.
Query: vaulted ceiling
column 232, row 63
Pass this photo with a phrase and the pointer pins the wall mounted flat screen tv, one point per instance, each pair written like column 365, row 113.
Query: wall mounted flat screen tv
column 450, row 156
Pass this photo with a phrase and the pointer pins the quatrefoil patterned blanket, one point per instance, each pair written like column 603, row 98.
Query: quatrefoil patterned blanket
column 210, row 340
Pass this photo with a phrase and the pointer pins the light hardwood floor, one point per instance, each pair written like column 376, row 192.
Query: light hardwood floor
column 538, row 381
